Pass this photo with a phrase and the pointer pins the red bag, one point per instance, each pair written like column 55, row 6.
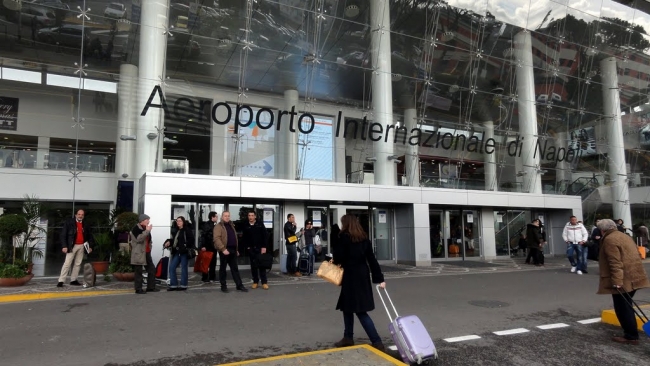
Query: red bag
column 202, row 262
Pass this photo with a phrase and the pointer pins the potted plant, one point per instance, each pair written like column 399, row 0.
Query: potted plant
column 13, row 275
column 124, row 223
column 22, row 232
column 99, row 257
column 121, row 267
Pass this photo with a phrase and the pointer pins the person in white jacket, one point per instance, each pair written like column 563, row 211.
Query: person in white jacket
column 575, row 235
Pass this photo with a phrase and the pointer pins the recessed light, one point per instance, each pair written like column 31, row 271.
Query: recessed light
column 92, row 143
column 111, row 149
column 90, row 150
column 69, row 145
column 6, row 138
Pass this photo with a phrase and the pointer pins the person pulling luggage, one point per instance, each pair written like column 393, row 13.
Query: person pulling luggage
column 309, row 233
column 354, row 254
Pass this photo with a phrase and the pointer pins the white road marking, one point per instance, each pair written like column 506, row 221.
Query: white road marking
column 463, row 338
column 589, row 321
column 511, row 331
column 552, row 326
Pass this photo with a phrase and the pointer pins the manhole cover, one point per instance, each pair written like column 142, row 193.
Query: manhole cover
column 489, row 304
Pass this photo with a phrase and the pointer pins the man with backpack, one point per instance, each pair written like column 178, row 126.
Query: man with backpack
column 575, row 235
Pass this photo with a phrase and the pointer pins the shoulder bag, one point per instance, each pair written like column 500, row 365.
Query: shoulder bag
column 330, row 272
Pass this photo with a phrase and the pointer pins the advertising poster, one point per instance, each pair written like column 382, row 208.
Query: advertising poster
column 584, row 141
column 8, row 114
column 317, row 218
column 382, row 217
column 268, row 218
column 316, row 158
column 256, row 155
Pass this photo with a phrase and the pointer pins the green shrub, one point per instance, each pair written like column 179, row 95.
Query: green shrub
column 12, row 271
column 126, row 221
column 121, row 263
column 11, row 225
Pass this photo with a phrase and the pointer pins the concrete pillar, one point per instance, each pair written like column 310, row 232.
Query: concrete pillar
column 43, row 153
column 154, row 21
column 490, row 160
column 382, row 89
column 421, row 235
column 286, row 160
column 527, row 113
column 158, row 207
column 616, row 149
column 412, row 159
column 127, row 111
column 488, row 233
column 220, row 138
column 563, row 168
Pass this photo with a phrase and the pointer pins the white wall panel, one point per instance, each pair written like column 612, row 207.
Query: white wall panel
column 56, row 185
column 282, row 189
column 339, row 192
column 390, row 194
column 444, row 197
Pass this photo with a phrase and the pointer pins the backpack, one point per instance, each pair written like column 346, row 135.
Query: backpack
column 90, row 276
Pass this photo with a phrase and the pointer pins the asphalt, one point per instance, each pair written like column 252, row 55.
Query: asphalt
column 206, row 327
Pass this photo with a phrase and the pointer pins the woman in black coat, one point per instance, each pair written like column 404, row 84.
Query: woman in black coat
column 354, row 253
column 535, row 241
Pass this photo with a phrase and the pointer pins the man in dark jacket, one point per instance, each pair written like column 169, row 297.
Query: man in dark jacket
column 535, row 241
column 254, row 238
column 291, row 241
column 208, row 245
column 594, row 245
column 74, row 235
column 226, row 242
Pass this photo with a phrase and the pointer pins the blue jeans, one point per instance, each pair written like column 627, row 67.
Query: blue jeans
column 366, row 323
column 292, row 258
column 311, row 250
column 585, row 254
column 576, row 249
column 179, row 259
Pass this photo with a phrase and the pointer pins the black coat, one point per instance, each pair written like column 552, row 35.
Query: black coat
column 69, row 233
column 534, row 236
column 207, row 240
column 358, row 262
column 254, row 236
column 334, row 238
column 185, row 241
column 289, row 230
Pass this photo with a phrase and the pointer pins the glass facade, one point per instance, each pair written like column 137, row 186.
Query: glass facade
column 546, row 97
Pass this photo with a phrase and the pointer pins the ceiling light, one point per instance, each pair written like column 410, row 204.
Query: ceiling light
column 351, row 11
column 6, row 138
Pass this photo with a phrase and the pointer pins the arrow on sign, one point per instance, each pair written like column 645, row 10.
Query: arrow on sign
column 267, row 167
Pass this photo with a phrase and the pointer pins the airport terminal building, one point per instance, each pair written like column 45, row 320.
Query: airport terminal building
column 445, row 126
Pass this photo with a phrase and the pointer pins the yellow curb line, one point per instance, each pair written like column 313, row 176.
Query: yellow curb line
column 332, row 350
column 608, row 316
column 57, row 295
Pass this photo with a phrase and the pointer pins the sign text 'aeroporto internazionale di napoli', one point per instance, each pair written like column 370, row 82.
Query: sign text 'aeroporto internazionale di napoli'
column 375, row 131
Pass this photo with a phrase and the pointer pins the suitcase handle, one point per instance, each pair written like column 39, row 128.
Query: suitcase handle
column 389, row 300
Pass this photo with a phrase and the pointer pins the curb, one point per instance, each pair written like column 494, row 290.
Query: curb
column 608, row 316
column 57, row 295
column 325, row 351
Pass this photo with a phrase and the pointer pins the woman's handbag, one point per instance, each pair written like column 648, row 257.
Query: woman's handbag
column 330, row 272
column 191, row 253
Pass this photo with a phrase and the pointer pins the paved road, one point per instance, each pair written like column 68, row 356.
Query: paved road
column 205, row 327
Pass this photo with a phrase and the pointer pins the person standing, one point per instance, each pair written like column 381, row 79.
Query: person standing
column 621, row 275
column 595, row 238
column 141, row 255
column 74, row 235
column 354, row 254
column 208, row 246
column 535, row 242
column 225, row 240
column 183, row 242
column 254, row 238
column 576, row 236
column 291, row 241
column 309, row 233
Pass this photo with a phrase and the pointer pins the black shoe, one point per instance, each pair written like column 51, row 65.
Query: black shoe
column 242, row 289
column 75, row 283
column 60, row 284
column 172, row 289
column 140, row 292
column 224, row 289
column 153, row 290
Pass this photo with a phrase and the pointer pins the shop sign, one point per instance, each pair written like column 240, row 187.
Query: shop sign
column 8, row 114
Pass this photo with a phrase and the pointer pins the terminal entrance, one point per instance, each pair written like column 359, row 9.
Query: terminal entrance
column 378, row 222
column 454, row 233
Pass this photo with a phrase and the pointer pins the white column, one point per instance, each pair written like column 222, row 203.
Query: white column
column 43, row 153
column 490, row 160
column 286, row 160
column 563, row 168
column 127, row 111
column 421, row 235
column 616, row 149
column 158, row 207
column 382, row 89
column 219, row 158
column 527, row 112
column 412, row 160
column 154, row 21
column 488, row 233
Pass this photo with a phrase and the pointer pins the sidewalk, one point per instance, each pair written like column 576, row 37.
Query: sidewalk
column 356, row 355
column 43, row 288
